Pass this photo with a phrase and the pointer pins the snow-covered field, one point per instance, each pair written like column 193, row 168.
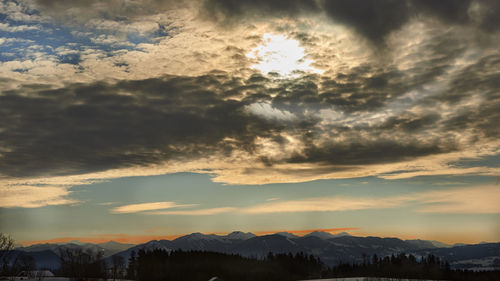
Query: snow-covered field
column 48, row 279
column 34, row 279
column 367, row 279
column 334, row 279
column 487, row 263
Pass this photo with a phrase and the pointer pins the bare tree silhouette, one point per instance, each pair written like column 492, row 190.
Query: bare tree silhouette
column 6, row 245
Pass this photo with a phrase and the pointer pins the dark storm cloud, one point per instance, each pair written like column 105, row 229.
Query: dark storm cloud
column 410, row 123
column 484, row 13
column 236, row 8
column 372, row 19
column 83, row 128
column 367, row 152
column 488, row 17
column 369, row 87
column 449, row 10
column 480, row 79
column 361, row 90
column 376, row 19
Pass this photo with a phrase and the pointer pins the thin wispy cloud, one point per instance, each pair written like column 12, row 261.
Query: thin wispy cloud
column 106, row 203
column 475, row 200
column 480, row 200
column 328, row 204
column 142, row 207
column 199, row 212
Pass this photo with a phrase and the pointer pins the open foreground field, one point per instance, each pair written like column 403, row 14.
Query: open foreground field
column 334, row 279
column 51, row 279
column 368, row 279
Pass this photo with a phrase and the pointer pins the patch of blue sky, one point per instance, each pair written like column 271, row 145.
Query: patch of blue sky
column 491, row 161
column 450, row 181
column 188, row 188
column 47, row 38
column 14, row 48
column 3, row 17
column 191, row 188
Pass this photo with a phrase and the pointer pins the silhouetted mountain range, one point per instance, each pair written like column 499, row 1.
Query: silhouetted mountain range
column 332, row 249
column 47, row 255
column 108, row 248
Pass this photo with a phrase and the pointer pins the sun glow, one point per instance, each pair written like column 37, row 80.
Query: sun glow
column 282, row 55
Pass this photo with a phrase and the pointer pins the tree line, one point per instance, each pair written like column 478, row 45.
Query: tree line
column 408, row 267
column 81, row 265
column 162, row 265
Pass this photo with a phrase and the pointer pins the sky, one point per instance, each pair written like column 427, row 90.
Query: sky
column 135, row 120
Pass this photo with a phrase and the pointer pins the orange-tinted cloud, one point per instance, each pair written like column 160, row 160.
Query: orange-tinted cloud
column 136, row 208
column 27, row 196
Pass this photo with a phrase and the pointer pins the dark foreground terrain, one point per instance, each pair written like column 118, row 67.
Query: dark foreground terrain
column 198, row 265
column 179, row 265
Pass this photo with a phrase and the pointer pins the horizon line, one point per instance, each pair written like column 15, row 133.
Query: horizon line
column 140, row 239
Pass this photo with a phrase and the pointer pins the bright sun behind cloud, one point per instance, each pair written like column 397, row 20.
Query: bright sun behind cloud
column 282, row 55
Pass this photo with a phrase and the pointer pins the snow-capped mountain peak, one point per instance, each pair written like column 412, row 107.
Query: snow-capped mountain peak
column 326, row 235
column 287, row 234
column 341, row 234
column 200, row 236
column 239, row 235
column 320, row 234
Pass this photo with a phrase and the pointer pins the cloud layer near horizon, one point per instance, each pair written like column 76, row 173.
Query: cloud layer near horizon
column 407, row 88
column 471, row 200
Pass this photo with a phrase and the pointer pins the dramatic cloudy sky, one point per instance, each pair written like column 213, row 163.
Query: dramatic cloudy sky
column 136, row 119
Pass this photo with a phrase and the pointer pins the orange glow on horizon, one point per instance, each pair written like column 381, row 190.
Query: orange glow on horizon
column 121, row 238
column 138, row 239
